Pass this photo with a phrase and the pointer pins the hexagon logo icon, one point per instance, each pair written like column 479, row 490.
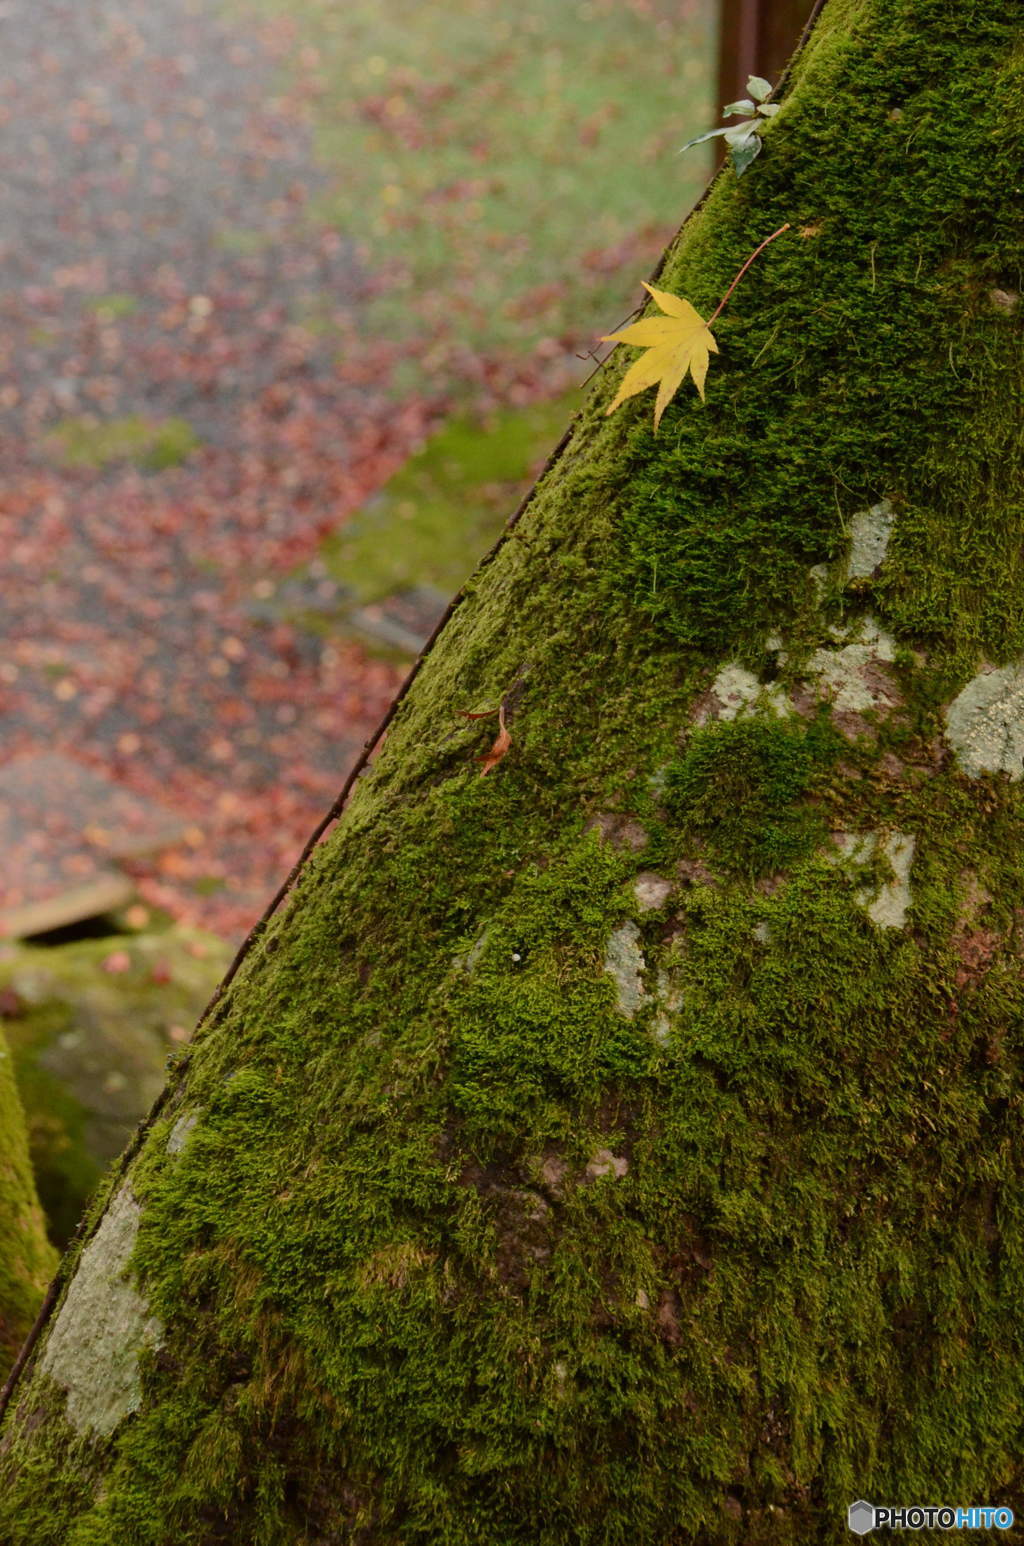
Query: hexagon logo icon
column 860, row 1517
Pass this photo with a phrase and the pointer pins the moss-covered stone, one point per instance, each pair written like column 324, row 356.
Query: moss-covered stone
column 27, row 1261
column 567, row 1164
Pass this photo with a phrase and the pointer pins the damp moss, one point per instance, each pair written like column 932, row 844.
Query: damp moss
column 456, row 1252
column 743, row 784
column 26, row 1259
column 888, row 312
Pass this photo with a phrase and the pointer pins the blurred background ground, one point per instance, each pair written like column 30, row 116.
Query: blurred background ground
column 292, row 299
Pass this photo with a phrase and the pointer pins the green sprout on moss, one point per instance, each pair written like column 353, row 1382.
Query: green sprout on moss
column 744, row 139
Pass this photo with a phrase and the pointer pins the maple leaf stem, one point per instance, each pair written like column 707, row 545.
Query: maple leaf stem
column 756, row 253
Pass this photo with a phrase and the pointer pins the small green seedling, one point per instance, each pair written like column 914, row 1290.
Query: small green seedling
column 744, row 139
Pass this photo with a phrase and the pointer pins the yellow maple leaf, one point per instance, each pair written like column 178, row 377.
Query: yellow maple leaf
column 678, row 342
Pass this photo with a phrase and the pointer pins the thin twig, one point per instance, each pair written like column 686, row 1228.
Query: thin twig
column 757, row 250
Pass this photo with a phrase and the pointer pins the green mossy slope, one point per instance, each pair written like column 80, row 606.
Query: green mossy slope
column 27, row 1262
column 586, row 1156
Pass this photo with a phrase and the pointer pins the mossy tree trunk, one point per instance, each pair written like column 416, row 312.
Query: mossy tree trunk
column 625, row 1146
column 27, row 1260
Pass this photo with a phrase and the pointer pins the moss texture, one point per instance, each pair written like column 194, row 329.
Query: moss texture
column 27, row 1261
column 457, row 1242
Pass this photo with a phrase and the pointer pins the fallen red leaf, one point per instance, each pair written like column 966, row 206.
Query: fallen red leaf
column 500, row 747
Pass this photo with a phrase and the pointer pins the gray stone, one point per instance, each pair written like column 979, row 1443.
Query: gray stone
column 739, row 691
column 605, row 1163
column 844, row 673
column 887, row 904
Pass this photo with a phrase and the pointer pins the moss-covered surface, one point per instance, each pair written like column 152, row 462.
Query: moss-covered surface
column 90, row 1047
column 455, row 1240
column 27, row 1261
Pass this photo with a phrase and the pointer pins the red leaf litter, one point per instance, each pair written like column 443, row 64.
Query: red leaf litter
column 153, row 266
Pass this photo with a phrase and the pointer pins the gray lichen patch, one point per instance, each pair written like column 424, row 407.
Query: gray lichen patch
column 885, row 905
column 849, row 674
column 182, row 1130
column 737, row 691
column 985, row 723
column 651, row 891
column 624, row 961
column 469, row 961
column 102, row 1328
column 870, row 531
column 669, row 1001
column 605, row 1163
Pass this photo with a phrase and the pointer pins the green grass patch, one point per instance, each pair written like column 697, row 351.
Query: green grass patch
column 154, row 445
column 439, row 515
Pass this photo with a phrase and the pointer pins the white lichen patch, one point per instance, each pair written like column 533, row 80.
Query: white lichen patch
column 985, row 723
column 737, row 691
column 103, row 1326
column 870, row 531
column 624, row 961
column 651, row 891
column 848, row 675
column 887, row 904
column 669, row 1001
column 467, row 962
column 605, row 1163
column 180, row 1133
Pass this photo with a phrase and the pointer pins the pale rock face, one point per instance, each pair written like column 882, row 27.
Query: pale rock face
column 985, row 723
column 103, row 1326
column 888, row 905
column 624, row 961
column 870, row 531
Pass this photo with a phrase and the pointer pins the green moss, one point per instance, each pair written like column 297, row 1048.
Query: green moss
column 26, row 1260
column 457, row 1245
column 848, row 351
column 89, row 442
column 742, row 784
